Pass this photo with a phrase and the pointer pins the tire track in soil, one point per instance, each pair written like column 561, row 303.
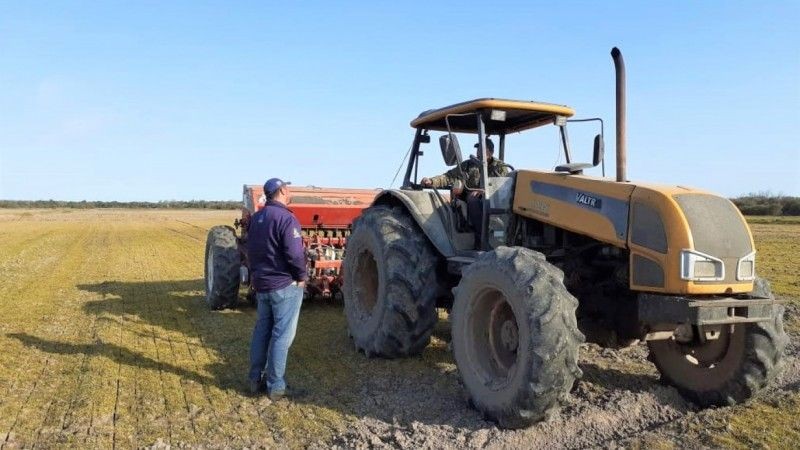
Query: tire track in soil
column 248, row 407
column 16, row 248
column 204, row 386
column 192, row 225
column 167, row 336
column 158, row 312
column 60, row 262
column 136, row 261
column 82, row 371
column 136, row 408
column 133, row 407
column 202, row 235
column 251, row 406
column 89, row 374
column 15, row 379
column 165, row 404
column 25, row 403
column 258, row 406
column 180, row 323
column 84, row 364
column 91, row 433
column 46, row 240
column 141, row 340
column 184, row 234
column 114, row 417
column 233, row 409
column 181, row 380
column 120, row 344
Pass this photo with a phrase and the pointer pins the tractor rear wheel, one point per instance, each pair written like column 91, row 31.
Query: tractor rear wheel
column 390, row 285
column 515, row 336
column 222, row 268
column 729, row 369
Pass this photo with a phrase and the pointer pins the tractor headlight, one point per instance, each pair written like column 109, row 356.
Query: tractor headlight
column 746, row 267
column 696, row 266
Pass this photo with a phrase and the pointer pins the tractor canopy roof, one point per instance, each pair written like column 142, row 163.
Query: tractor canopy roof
column 504, row 116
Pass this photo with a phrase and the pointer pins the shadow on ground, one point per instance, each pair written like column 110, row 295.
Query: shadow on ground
column 323, row 360
column 111, row 351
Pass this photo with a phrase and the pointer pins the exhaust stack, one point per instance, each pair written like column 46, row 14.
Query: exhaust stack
column 622, row 152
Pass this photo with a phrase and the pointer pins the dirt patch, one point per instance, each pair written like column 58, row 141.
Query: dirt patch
column 619, row 402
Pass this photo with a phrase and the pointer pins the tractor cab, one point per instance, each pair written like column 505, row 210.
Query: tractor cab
column 473, row 180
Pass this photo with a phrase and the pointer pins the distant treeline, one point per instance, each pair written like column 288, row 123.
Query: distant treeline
column 767, row 204
column 167, row 204
column 761, row 204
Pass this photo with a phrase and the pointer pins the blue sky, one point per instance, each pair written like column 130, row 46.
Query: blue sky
column 190, row 100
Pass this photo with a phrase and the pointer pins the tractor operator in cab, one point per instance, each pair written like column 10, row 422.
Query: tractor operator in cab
column 471, row 170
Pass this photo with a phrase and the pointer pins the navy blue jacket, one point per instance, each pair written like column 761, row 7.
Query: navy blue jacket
column 275, row 248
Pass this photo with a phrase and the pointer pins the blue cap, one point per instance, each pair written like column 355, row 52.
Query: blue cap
column 273, row 184
column 489, row 145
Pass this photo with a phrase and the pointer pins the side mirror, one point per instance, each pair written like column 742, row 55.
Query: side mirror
column 599, row 148
column 451, row 151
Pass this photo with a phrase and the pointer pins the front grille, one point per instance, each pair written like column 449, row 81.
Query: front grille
column 717, row 229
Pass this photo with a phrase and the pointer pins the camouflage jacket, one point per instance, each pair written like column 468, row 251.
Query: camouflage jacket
column 471, row 169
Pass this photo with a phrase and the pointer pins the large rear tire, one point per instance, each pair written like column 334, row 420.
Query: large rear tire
column 515, row 336
column 390, row 284
column 222, row 268
column 729, row 369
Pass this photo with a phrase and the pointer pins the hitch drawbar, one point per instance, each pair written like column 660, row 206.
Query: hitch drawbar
column 660, row 309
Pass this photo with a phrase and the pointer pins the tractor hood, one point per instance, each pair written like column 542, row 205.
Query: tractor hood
column 681, row 240
column 700, row 241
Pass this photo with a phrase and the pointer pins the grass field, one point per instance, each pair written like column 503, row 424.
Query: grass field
column 107, row 341
column 775, row 423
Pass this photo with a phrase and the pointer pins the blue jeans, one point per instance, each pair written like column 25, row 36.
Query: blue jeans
column 273, row 334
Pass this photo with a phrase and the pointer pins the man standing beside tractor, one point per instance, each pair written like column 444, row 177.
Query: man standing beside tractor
column 278, row 267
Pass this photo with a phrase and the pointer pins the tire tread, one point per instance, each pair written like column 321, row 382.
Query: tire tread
column 408, row 316
column 226, row 268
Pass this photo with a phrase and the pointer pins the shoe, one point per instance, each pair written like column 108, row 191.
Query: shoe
column 288, row 393
column 255, row 387
column 277, row 395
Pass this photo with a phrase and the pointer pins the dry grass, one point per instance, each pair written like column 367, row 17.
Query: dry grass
column 778, row 257
column 107, row 342
column 771, row 423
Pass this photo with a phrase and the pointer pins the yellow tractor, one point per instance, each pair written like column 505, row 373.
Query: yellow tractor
column 555, row 258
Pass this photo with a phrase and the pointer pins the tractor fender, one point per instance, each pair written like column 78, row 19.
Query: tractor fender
column 426, row 210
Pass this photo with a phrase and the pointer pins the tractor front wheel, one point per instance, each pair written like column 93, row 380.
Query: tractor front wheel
column 515, row 336
column 729, row 369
